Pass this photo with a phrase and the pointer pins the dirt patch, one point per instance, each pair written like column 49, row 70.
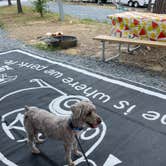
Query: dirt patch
column 84, row 33
column 153, row 59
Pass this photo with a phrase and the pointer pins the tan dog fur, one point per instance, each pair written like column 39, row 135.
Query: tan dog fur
column 37, row 121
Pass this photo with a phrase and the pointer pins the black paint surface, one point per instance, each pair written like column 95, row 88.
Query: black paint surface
column 134, row 140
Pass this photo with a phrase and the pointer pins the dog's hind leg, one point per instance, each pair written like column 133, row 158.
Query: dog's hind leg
column 30, row 134
column 32, row 144
column 31, row 137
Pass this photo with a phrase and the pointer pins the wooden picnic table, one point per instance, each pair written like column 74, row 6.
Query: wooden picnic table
column 147, row 26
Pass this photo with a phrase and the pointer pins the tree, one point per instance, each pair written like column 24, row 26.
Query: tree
column 19, row 6
column 9, row 3
column 160, row 7
column 40, row 6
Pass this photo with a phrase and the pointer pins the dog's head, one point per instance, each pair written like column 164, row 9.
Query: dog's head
column 85, row 112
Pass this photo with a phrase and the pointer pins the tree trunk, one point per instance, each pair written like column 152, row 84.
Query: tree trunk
column 19, row 6
column 41, row 9
column 160, row 7
column 9, row 3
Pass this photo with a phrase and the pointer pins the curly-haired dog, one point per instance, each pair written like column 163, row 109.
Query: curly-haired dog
column 37, row 120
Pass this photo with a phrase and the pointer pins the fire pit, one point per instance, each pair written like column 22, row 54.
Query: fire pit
column 61, row 41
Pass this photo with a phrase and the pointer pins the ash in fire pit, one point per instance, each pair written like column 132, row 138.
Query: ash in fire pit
column 60, row 40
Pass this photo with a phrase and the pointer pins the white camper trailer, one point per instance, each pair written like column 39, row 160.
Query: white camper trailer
column 135, row 3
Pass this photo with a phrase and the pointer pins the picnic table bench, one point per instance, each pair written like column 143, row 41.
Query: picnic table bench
column 121, row 40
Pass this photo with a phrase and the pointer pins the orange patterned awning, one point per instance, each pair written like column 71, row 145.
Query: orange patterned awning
column 143, row 25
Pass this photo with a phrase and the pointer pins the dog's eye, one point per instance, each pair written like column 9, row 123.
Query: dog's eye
column 89, row 113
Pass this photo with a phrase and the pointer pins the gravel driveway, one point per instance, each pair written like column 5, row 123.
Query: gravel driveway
column 111, row 68
column 84, row 12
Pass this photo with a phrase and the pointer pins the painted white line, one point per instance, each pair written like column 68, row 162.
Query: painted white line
column 106, row 79
column 6, row 161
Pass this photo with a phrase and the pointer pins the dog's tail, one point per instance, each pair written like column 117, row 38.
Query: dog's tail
column 26, row 112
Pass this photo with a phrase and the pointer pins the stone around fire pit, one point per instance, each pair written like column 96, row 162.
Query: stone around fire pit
column 61, row 41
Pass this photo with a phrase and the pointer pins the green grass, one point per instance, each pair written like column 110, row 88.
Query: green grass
column 87, row 21
column 45, row 47
column 9, row 15
column 1, row 25
column 91, row 21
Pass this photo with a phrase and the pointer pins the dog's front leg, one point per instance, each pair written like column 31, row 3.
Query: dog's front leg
column 75, row 149
column 68, row 149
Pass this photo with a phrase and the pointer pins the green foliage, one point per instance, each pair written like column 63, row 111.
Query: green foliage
column 87, row 21
column 1, row 25
column 40, row 6
column 45, row 47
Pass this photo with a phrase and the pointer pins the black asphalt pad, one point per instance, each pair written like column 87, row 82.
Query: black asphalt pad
column 133, row 131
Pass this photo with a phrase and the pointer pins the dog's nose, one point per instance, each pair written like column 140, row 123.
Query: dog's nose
column 99, row 120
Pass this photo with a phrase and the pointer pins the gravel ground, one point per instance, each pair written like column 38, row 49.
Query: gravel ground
column 96, row 12
column 84, row 12
column 91, row 11
column 111, row 68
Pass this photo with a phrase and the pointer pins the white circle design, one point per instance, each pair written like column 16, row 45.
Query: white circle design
column 96, row 132
column 55, row 105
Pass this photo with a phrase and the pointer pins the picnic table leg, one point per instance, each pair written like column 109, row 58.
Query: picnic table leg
column 112, row 57
column 119, row 49
column 103, row 50
column 130, row 50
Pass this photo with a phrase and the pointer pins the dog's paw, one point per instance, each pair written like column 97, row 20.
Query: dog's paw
column 78, row 153
column 35, row 151
column 71, row 164
column 40, row 141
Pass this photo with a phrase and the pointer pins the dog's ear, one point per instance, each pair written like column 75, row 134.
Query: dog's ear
column 76, row 110
column 26, row 108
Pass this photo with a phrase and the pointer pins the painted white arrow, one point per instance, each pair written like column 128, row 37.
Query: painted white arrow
column 112, row 161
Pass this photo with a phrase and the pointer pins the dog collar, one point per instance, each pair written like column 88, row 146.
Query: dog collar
column 74, row 128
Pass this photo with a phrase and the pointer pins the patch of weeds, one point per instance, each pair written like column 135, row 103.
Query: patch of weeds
column 45, row 47
column 10, row 17
column 106, row 22
column 87, row 21
column 1, row 25
column 40, row 6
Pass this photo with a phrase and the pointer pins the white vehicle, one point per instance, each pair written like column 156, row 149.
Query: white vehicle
column 135, row 3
